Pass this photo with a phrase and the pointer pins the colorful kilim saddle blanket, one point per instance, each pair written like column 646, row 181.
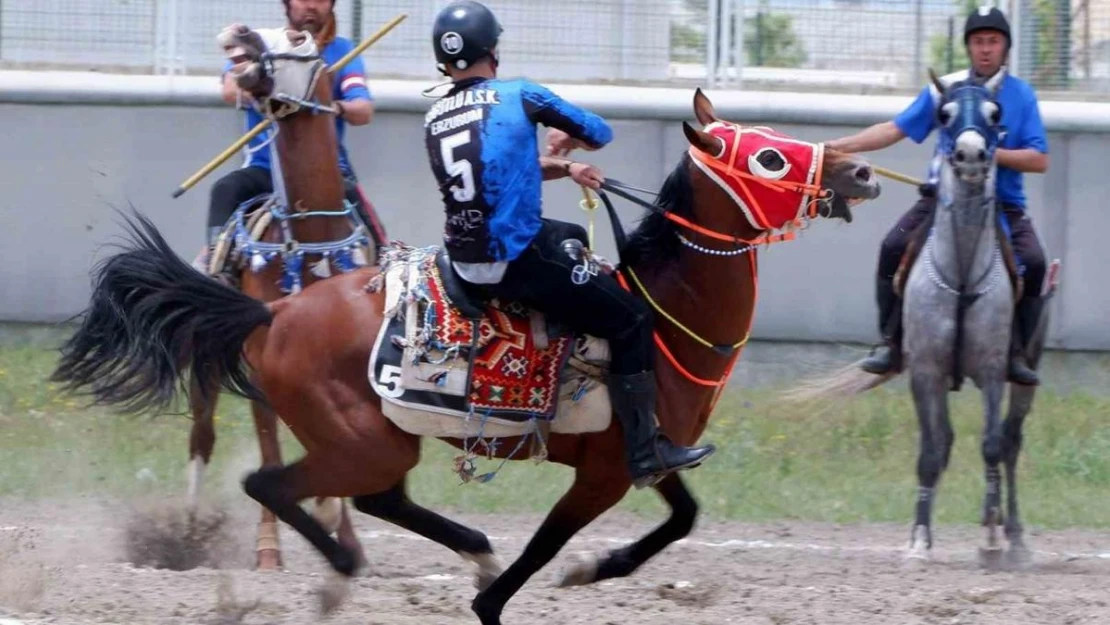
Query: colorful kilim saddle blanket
column 447, row 364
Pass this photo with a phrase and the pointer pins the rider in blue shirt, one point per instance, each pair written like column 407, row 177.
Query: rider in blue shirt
column 352, row 98
column 481, row 142
column 1024, row 149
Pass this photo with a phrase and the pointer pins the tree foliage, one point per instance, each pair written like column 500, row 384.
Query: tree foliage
column 769, row 38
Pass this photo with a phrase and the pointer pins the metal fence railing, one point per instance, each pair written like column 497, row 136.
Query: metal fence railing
column 1061, row 46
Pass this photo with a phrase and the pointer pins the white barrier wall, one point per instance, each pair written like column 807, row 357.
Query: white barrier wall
column 75, row 147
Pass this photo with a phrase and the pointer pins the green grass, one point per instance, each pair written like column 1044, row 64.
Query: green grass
column 851, row 463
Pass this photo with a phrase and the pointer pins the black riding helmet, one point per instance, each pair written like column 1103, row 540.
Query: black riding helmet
column 465, row 31
column 985, row 18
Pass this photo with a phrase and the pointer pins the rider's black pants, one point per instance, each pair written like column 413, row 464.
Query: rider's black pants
column 242, row 184
column 1027, row 247
column 236, row 187
column 898, row 239
column 541, row 278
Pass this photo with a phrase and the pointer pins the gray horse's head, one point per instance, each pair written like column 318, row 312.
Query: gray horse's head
column 969, row 120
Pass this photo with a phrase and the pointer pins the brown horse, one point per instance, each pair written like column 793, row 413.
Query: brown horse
column 693, row 258
column 305, row 144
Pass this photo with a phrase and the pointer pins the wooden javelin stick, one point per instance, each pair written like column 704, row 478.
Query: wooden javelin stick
column 893, row 175
column 254, row 132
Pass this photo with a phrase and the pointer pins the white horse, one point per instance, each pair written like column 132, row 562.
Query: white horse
column 957, row 309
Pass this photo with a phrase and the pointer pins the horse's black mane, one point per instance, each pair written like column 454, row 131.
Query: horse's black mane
column 654, row 244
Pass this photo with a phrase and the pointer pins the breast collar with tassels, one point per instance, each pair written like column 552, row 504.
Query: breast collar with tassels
column 735, row 181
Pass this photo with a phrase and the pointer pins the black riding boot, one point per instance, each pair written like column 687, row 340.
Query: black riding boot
column 1026, row 315
column 650, row 454
column 888, row 356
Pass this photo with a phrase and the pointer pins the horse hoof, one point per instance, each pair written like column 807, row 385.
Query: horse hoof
column 333, row 593
column 1019, row 556
column 990, row 558
column 581, row 573
column 488, row 614
column 919, row 549
column 918, row 556
column 268, row 560
column 489, row 568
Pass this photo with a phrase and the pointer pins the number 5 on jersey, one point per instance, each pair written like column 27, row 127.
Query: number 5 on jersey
column 460, row 169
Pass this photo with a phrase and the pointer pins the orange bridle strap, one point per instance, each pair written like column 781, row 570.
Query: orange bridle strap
column 716, row 384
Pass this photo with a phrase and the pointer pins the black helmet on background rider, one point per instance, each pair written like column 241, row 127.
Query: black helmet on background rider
column 987, row 18
column 464, row 33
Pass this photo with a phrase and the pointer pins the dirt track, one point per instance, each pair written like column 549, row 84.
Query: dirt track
column 67, row 564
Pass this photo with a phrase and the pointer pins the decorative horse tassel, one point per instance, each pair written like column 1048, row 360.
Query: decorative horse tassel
column 359, row 257
column 321, row 268
column 292, row 278
column 258, row 262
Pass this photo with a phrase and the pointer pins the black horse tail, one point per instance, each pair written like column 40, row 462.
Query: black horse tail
column 150, row 318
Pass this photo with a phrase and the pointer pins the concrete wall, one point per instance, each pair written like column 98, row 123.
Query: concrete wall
column 67, row 166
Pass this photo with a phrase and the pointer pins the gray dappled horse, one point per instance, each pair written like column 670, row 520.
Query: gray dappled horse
column 958, row 305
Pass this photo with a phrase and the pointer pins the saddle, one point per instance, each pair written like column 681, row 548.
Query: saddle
column 457, row 291
column 450, row 362
column 917, row 241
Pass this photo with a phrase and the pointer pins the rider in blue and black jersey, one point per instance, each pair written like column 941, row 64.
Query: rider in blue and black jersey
column 481, row 142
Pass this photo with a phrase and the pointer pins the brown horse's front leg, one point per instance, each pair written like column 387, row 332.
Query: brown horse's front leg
column 597, row 487
column 345, row 534
column 623, row 562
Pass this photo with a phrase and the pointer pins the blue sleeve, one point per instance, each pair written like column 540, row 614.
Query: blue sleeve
column 917, row 120
column 227, row 67
column 544, row 107
column 1032, row 134
column 351, row 81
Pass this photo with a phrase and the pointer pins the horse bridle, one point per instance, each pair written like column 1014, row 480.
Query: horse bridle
column 290, row 103
column 822, row 199
column 971, row 120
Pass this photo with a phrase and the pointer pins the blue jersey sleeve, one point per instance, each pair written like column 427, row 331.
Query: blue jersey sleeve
column 1031, row 134
column 352, row 81
column 544, row 107
column 917, row 120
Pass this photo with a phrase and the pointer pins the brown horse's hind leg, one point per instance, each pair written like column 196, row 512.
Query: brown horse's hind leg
column 358, row 467
column 346, row 536
column 268, row 546
column 395, row 506
column 202, row 437
column 597, row 487
column 623, row 562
